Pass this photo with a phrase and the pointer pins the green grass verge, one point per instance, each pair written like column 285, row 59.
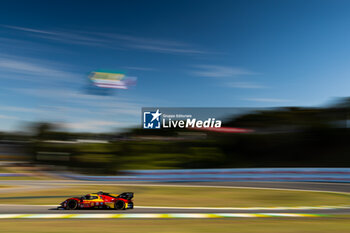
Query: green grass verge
column 268, row 225
column 185, row 196
column 4, row 170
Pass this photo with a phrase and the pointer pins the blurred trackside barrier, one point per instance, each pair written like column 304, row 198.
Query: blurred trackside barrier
column 210, row 175
column 14, row 174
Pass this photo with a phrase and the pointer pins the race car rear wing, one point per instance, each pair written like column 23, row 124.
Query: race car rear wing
column 127, row 196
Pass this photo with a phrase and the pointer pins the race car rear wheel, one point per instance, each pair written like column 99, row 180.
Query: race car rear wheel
column 72, row 205
column 119, row 205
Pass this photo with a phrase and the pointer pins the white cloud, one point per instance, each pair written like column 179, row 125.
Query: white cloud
column 94, row 125
column 31, row 46
column 7, row 117
column 61, row 36
column 139, row 68
column 34, row 70
column 268, row 100
column 26, row 67
column 89, row 104
column 111, row 40
column 37, row 112
column 166, row 49
column 244, row 85
column 28, row 29
column 21, row 109
column 153, row 45
column 226, row 74
column 215, row 71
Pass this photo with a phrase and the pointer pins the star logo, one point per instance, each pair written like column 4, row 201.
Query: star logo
column 156, row 115
column 152, row 120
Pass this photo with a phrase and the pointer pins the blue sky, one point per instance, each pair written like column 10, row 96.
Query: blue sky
column 184, row 54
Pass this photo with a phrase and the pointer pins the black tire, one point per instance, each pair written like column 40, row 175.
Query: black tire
column 72, row 205
column 119, row 205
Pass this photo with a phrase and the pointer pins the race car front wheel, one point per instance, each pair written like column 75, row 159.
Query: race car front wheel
column 72, row 205
column 119, row 205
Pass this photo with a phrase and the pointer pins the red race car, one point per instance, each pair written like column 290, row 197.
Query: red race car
column 100, row 200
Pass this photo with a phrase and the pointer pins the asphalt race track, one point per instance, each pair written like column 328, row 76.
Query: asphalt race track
column 32, row 209
column 45, row 184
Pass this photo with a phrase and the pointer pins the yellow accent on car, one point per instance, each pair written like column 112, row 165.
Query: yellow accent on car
column 110, row 204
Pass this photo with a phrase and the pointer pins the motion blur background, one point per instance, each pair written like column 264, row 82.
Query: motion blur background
column 285, row 60
column 75, row 75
